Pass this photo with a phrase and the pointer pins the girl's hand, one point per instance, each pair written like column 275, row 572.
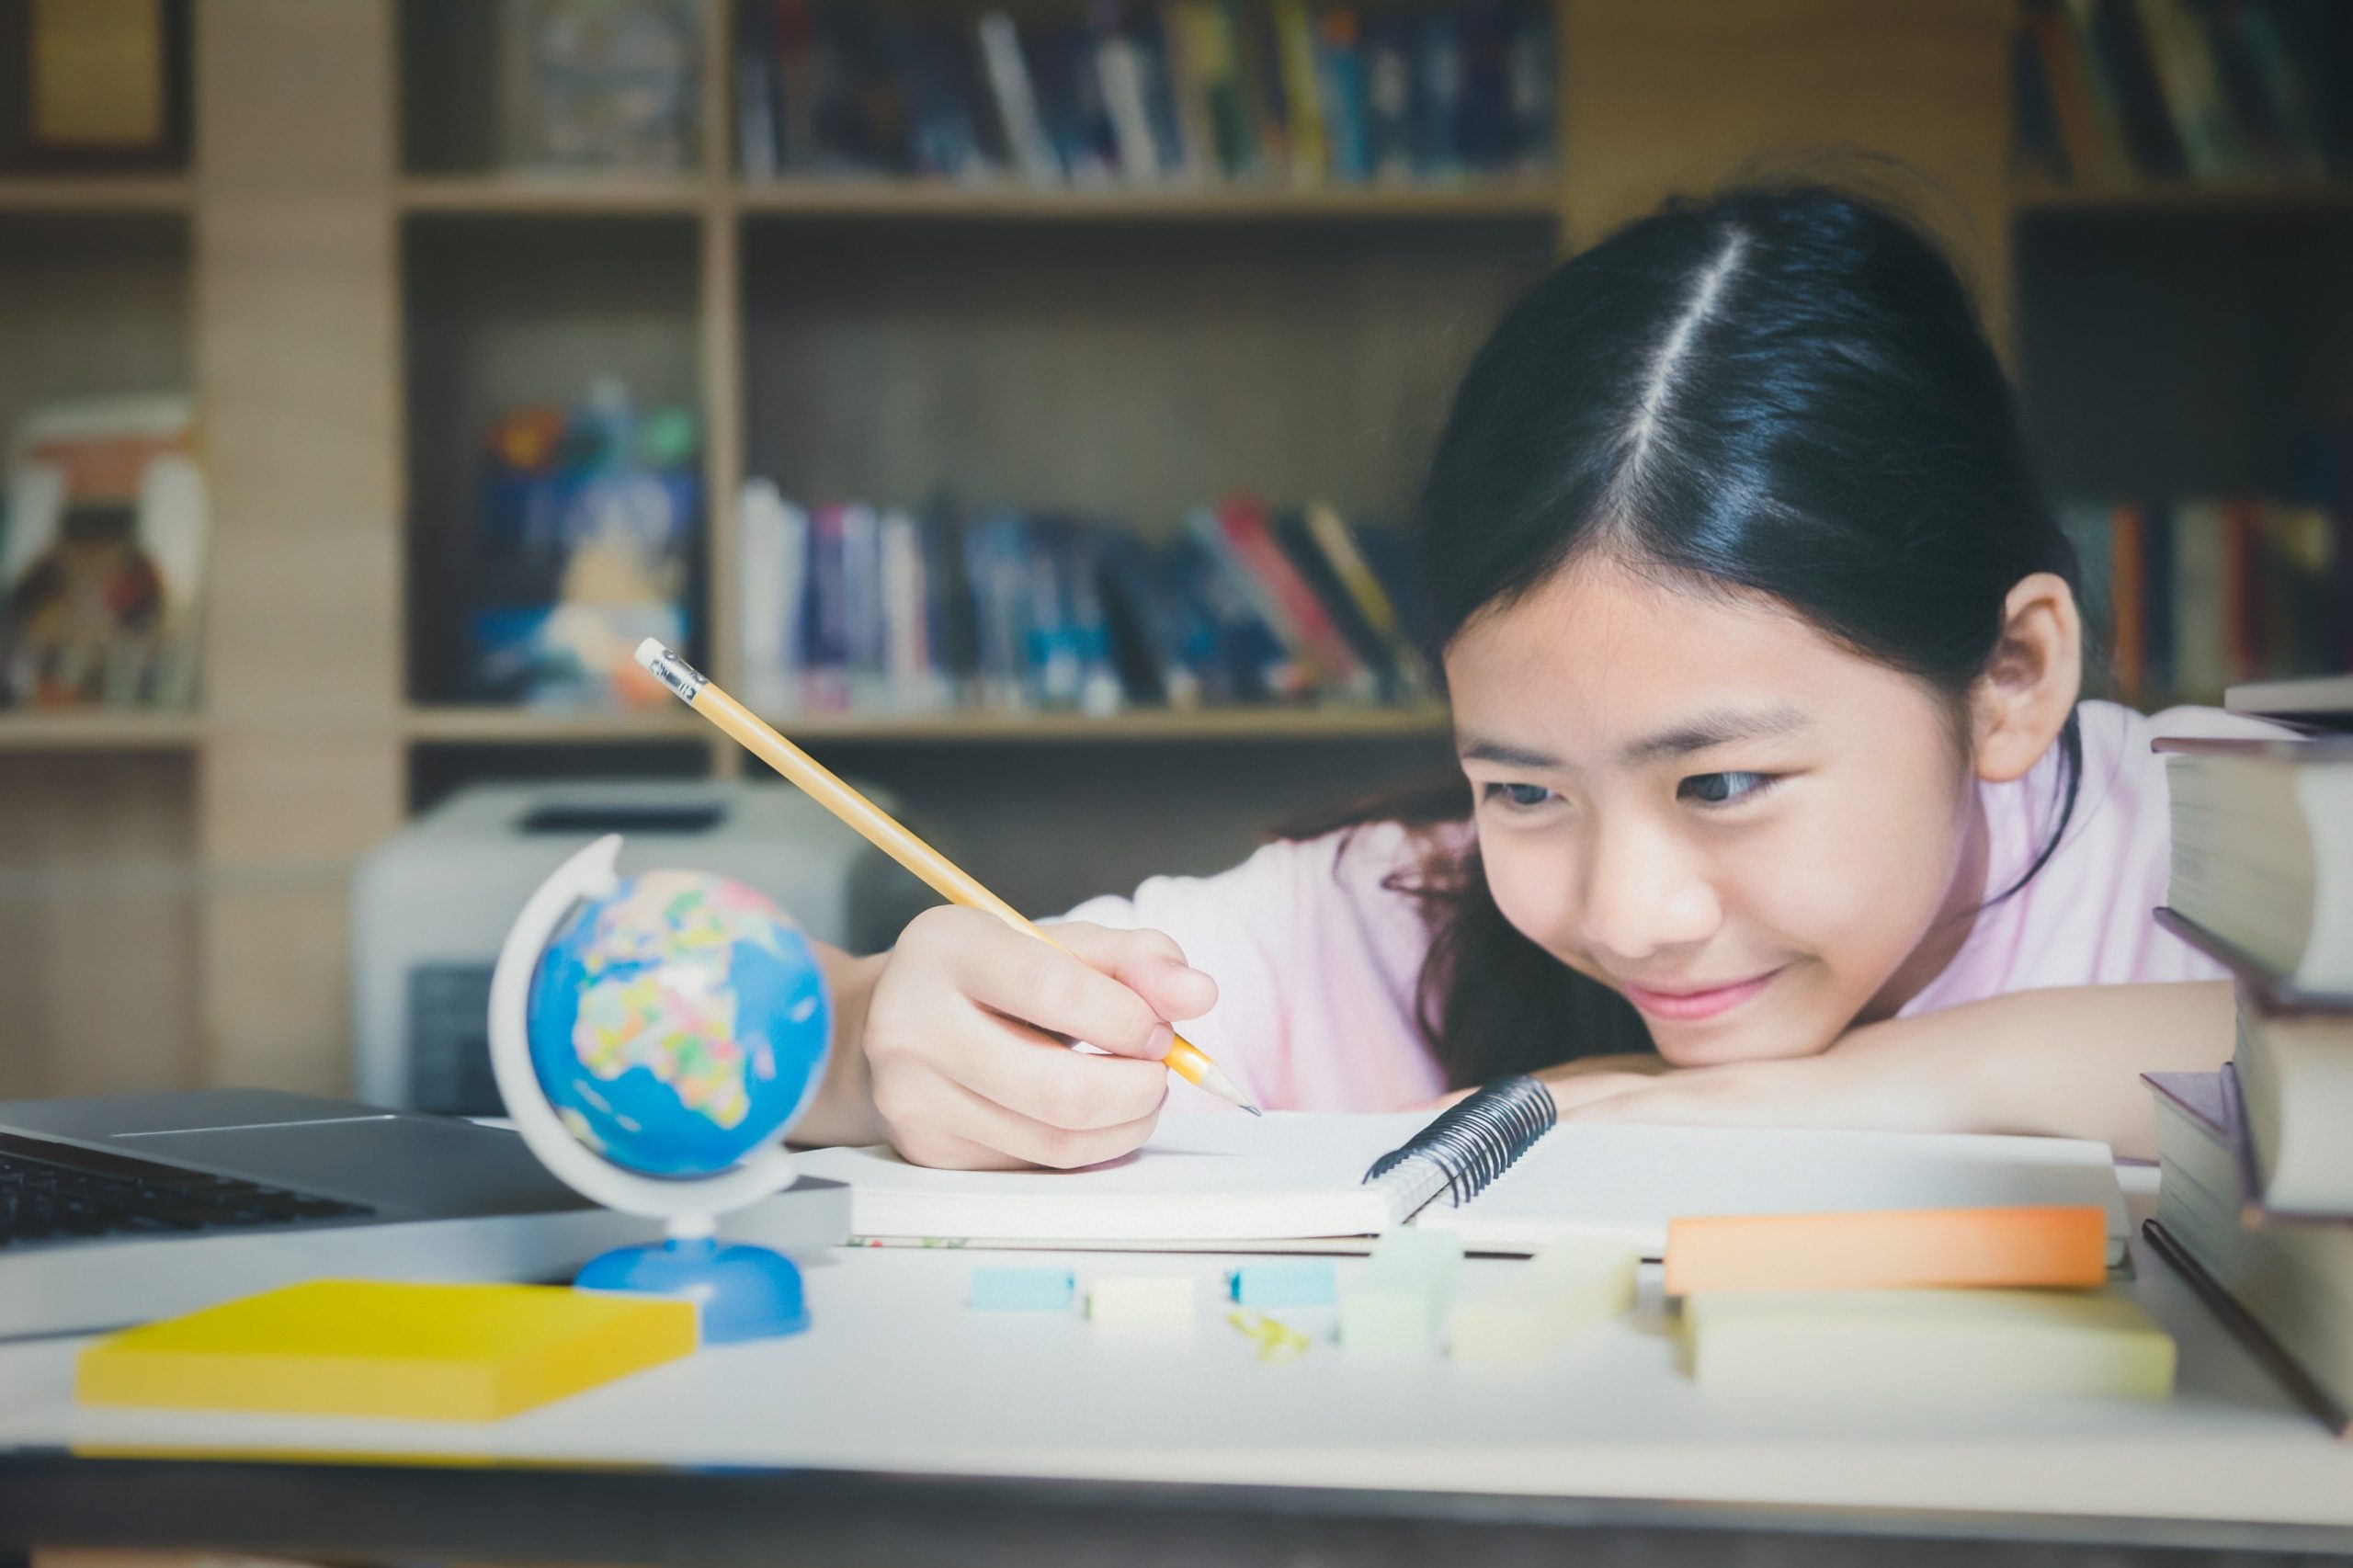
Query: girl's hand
column 966, row 1030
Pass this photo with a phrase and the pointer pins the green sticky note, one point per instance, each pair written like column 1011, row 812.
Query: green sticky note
column 1398, row 1302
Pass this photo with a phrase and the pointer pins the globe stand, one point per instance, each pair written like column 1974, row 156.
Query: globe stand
column 745, row 1292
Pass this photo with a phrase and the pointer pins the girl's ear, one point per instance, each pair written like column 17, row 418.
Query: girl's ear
column 2018, row 706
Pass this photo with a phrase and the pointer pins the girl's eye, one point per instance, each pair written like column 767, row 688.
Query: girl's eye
column 1724, row 789
column 1522, row 796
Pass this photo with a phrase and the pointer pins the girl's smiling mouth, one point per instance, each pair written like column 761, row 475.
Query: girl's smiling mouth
column 1706, row 1002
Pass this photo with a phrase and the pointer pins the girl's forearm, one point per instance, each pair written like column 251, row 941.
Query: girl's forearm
column 842, row 1111
column 2066, row 1061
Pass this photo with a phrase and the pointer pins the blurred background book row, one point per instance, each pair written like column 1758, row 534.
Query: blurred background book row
column 1183, row 93
column 2190, row 595
column 848, row 609
column 2211, row 91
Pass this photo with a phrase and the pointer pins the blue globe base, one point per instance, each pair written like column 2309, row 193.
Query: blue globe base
column 746, row 1292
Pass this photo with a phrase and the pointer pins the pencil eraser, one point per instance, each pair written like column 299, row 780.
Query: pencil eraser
column 1313, row 1284
column 1160, row 1300
column 1437, row 1254
column 1022, row 1289
column 1565, row 1290
column 1398, row 1301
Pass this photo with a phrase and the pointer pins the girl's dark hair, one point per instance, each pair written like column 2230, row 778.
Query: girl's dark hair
column 1782, row 388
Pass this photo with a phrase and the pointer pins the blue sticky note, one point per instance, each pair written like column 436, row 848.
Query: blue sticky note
column 1022, row 1289
column 1312, row 1284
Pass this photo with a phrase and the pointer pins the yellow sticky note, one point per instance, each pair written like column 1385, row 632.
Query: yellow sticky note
column 1155, row 1301
column 1540, row 1306
column 1975, row 1343
column 381, row 1348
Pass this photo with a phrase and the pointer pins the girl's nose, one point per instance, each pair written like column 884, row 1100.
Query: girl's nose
column 1645, row 891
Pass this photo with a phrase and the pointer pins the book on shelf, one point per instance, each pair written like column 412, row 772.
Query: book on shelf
column 586, row 525
column 603, row 86
column 1107, row 96
column 2107, row 91
column 2263, row 852
column 103, row 537
column 2282, row 1283
column 2200, row 594
column 848, row 609
column 91, row 86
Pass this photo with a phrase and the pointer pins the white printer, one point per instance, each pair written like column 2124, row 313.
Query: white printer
column 431, row 906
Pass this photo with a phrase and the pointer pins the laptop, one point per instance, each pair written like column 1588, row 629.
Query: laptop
column 121, row 1208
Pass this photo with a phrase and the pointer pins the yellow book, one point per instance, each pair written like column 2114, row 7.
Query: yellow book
column 374, row 1348
column 1934, row 1342
column 97, row 73
column 1295, row 43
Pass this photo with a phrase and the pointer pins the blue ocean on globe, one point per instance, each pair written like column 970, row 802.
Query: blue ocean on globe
column 678, row 1024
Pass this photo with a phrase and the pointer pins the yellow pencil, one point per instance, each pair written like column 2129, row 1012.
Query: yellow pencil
column 881, row 830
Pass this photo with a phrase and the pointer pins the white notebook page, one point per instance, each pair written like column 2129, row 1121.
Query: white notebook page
column 1628, row 1182
column 1211, row 1177
column 1205, row 1175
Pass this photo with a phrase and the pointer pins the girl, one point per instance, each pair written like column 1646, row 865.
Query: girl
column 1764, row 650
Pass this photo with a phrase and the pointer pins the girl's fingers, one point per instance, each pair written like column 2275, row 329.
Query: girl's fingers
column 970, row 1119
column 1047, row 1081
column 1014, row 973
column 1148, row 962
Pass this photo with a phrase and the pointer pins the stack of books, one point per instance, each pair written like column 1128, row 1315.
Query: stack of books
column 1190, row 92
column 2255, row 1195
column 853, row 608
column 2108, row 91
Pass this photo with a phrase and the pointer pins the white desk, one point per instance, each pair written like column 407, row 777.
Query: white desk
column 899, row 1376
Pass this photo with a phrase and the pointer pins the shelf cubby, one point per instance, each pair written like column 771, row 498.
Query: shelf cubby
column 437, row 769
column 502, row 311
column 92, row 302
column 1126, row 371
column 2256, row 345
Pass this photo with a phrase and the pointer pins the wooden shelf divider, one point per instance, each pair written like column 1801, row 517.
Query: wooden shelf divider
column 98, row 729
column 483, row 725
column 2042, row 195
column 558, row 195
column 92, row 193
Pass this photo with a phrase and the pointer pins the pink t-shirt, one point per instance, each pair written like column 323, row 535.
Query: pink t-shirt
column 1316, row 962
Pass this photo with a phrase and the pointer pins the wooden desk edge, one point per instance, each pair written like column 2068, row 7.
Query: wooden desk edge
column 720, row 1515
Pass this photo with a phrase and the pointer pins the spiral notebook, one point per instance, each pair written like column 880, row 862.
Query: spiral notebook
column 1495, row 1168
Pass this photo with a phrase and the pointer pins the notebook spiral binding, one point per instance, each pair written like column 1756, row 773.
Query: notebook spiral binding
column 1476, row 1141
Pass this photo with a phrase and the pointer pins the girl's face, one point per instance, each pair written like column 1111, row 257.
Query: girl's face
column 1754, row 834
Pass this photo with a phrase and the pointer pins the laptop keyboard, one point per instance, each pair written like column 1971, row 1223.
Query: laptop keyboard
column 53, row 1192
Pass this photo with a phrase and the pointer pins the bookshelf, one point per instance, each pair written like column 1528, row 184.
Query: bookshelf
column 98, row 817
column 355, row 288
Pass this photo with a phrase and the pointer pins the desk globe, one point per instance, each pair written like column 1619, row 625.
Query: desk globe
column 653, row 1037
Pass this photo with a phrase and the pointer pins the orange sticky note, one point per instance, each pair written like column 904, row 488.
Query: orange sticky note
column 1904, row 1248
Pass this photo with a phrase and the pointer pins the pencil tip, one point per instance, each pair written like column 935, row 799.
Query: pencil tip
column 1254, row 1111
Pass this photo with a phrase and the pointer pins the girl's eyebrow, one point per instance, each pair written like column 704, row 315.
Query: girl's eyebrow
column 1472, row 749
column 1697, row 734
column 1714, row 729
